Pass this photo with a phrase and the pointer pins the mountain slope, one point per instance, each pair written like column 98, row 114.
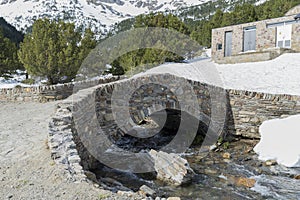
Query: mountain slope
column 10, row 32
column 100, row 15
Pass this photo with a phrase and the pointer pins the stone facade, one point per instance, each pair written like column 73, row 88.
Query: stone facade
column 47, row 92
column 266, row 35
column 244, row 112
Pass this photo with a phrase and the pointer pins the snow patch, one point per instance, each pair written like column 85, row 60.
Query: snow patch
column 280, row 141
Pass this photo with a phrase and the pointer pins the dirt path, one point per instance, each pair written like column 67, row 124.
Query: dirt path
column 26, row 169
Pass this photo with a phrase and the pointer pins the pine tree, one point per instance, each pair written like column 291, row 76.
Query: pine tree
column 88, row 43
column 158, row 54
column 217, row 19
column 53, row 50
column 8, row 56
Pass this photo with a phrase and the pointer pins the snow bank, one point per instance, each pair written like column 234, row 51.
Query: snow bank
column 278, row 76
column 14, row 81
column 280, row 140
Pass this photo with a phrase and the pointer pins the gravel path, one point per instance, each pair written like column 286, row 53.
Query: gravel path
column 26, row 169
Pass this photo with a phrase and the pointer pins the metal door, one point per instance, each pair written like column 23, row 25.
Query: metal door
column 249, row 38
column 228, row 43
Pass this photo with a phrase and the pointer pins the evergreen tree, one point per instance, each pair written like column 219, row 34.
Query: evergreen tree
column 217, row 19
column 244, row 13
column 158, row 54
column 88, row 43
column 8, row 56
column 53, row 50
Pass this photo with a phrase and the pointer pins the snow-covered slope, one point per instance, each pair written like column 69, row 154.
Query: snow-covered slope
column 100, row 15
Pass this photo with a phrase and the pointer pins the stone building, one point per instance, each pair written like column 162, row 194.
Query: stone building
column 257, row 41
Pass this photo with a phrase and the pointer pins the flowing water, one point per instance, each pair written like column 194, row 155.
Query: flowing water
column 242, row 176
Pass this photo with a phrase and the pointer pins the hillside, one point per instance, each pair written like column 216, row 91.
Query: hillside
column 193, row 14
column 10, row 31
column 100, row 15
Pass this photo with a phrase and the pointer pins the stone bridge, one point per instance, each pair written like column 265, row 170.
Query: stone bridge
column 106, row 113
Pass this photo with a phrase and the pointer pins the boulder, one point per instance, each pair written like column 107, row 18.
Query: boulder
column 171, row 168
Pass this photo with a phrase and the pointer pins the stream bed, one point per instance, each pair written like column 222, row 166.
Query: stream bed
column 231, row 171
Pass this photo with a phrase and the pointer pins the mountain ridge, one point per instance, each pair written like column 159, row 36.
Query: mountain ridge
column 99, row 15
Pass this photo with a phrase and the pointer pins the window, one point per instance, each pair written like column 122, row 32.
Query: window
column 280, row 44
column 219, row 47
column 249, row 38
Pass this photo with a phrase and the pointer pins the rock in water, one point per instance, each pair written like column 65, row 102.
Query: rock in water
column 146, row 191
column 171, row 168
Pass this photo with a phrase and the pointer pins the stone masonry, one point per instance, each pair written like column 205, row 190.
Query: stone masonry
column 244, row 112
column 265, row 41
column 47, row 92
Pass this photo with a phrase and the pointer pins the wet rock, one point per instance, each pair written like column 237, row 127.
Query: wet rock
column 125, row 193
column 213, row 147
column 148, row 198
column 173, row 198
column 245, row 182
column 146, row 191
column 116, row 184
column 238, row 181
column 90, row 176
column 297, row 177
column 271, row 162
column 171, row 168
column 227, row 155
column 210, row 171
column 248, row 150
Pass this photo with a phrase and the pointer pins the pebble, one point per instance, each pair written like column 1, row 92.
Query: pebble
column 227, row 155
column 148, row 198
column 173, row 198
column 147, row 191
column 297, row 177
column 271, row 162
column 246, row 182
column 210, row 171
column 124, row 193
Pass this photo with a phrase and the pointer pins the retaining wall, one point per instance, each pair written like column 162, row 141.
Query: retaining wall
column 47, row 92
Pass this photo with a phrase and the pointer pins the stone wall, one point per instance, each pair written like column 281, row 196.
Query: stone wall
column 90, row 112
column 247, row 110
column 265, row 41
column 47, row 93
